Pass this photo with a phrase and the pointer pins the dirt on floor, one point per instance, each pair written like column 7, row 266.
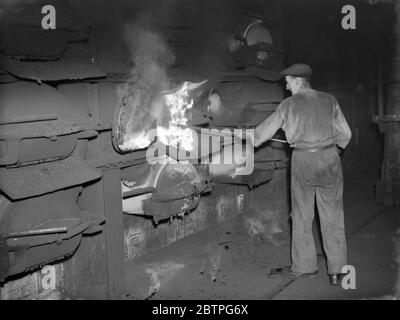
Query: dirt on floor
column 229, row 262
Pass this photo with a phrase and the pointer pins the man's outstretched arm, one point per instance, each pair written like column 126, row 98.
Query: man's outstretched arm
column 266, row 129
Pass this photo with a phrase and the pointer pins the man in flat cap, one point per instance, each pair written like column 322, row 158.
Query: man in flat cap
column 314, row 126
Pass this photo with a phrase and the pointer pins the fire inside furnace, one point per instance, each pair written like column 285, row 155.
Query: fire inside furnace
column 163, row 116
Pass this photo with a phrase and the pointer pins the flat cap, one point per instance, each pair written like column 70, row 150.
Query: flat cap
column 298, row 70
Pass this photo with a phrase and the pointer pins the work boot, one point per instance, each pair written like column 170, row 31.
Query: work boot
column 335, row 279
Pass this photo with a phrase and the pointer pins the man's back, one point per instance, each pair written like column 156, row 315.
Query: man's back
column 309, row 118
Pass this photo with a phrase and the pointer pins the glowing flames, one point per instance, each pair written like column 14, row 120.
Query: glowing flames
column 179, row 102
column 144, row 115
column 139, row 141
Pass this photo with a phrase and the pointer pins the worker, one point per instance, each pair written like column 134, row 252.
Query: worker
column 315, row 127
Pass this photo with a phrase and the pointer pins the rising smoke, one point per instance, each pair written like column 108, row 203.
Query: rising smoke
column 150, row 55
column 142, row 105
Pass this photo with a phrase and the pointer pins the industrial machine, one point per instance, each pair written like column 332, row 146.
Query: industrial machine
column 77, row 186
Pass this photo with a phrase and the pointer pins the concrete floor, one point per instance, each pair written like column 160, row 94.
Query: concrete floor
column 226, row 263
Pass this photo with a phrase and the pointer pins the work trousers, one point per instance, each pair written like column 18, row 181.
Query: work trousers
column 317, row 175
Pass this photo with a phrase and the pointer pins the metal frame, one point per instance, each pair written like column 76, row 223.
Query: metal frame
column 114, row 233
